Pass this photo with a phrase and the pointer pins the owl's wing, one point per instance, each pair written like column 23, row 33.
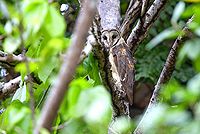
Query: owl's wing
column 125, row 67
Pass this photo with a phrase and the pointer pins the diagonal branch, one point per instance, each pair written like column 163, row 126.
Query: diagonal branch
column 10, row 87
column 132, row 14
column 55, row 97
column 164, row 76
column 8, row 58
column 145, row 4
column 140, row 30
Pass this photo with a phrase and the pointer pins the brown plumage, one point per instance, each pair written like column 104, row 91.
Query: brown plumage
column 122, row 64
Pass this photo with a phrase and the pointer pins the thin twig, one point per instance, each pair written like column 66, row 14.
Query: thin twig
column 10, row 87
column 140, row 30
column 57, row 92
column 43, row 97
column 8, row 58
column 61, row 126
column 132, row 14
column 29, row 84
column 145, row 4
column 164, row 77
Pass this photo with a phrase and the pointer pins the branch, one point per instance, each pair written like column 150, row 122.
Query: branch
column 140, row 30
column 2, row 37
column 5, row 57
column 109, row 11
column 10, row 87
column 132, row 14
column 145, row 5
column 164, row 76
column 55, row 97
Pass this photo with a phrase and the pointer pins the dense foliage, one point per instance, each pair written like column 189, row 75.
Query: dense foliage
column 36, row 30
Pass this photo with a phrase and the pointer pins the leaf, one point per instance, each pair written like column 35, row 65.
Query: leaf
column 56, row 126
column 8, row 27
column 54, row 23
column 192, row 1
column 153, row 59
column 15, row 116
column 34, row 14
column 46, row 67
column 75, row 88
column 53, row 47
column 21, row 67
column 194, row 85
column 179, row 9
column 94, row 104
column 20, row 94
column 167, row 33
column 44, row 131
column 91, row 66
column 89, row 109
column 191, row 49
column 49, row 56
column 122, row 125
column 11, row 44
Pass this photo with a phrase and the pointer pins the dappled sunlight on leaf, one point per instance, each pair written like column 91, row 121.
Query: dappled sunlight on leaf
column 21, row 93
column 122, row 125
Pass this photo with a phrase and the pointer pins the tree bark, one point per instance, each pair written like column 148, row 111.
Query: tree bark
column 67, row 70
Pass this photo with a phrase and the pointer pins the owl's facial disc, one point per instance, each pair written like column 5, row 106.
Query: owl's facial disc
column 114, row 36
column 110, row 38
column 105, row 38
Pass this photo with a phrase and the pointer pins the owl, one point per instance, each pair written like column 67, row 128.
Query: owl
column 122, row 64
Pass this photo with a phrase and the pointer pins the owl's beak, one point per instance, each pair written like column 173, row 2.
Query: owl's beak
column 110, row 43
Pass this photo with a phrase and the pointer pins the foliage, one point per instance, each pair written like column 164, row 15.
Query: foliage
column 155, row 48
column 178, row 111
column 38, row 27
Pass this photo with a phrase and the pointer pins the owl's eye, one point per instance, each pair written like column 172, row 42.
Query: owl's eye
column 114, row 36
column 104, row 37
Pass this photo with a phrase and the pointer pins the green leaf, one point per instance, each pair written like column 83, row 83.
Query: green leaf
column 191, row 49
column 56, row 126
column 194, row 85
column 53, row 47
column 21, row 67
column 34, row 14
column 122, row 125
column 167, row 33
column 192, row 1
column 94, row 104
column 8, row 27
column 15, row 116
column 49, row 56
column 46, row 68
column 20, row 94
column 44, row 131
column 76, row 87
column 54, row 23
column 179, row 9
column 40, row 93
column 89, row 109
column 91, row 66
column 11, row 44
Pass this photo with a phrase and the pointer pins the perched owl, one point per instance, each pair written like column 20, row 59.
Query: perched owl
column 122, row 64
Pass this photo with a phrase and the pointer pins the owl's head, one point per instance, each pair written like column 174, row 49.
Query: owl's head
column 110, row 37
